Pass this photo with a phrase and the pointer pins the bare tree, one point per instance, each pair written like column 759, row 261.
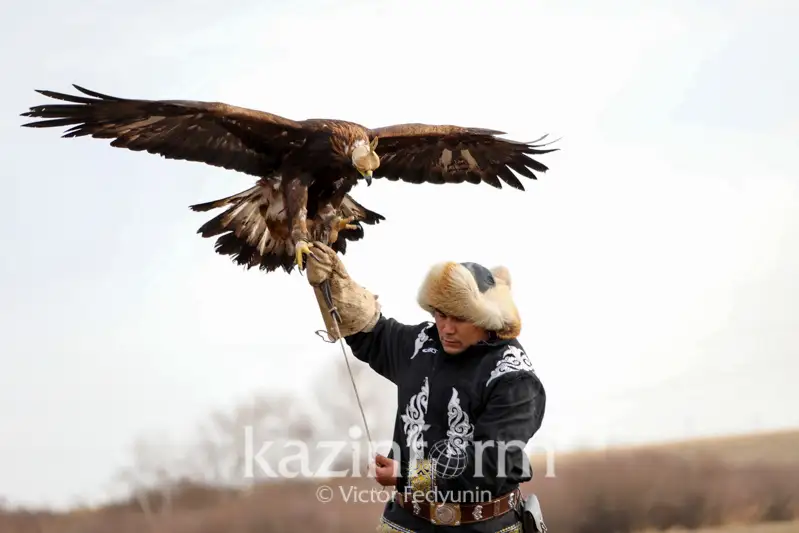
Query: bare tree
column 272, row 437
column 340, row 417
column 153, row 474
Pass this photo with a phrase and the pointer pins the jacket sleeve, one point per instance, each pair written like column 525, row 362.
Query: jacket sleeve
column 386, row 348
column 513, row 413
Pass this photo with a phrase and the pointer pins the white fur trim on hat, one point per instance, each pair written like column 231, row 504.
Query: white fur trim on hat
column 453, row 289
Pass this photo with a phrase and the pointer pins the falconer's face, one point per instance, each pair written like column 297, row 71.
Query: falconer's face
column 457, row 334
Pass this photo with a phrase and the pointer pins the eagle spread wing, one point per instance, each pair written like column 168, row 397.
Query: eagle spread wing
column 422, row 153
column 218, row 134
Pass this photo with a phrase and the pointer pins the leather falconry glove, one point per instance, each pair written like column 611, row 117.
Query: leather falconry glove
column 357, row 307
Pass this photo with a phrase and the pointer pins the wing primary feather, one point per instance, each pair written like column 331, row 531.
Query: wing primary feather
column 96, row 94
column 508, row 177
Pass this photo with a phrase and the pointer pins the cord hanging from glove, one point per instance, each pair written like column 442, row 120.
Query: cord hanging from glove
column 324, row 286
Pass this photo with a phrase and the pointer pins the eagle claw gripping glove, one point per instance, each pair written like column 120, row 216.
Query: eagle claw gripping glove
column 357, row 307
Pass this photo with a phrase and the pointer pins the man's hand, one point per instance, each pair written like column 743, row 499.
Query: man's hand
column 386, row 470
column 356, row 306
column 323, row 264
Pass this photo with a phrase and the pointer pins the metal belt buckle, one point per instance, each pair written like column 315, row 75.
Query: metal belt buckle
column 446, row 514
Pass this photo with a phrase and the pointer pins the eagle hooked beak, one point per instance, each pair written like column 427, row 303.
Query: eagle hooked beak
column 368, row 176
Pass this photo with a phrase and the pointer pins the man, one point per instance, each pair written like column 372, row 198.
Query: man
column 468, row 397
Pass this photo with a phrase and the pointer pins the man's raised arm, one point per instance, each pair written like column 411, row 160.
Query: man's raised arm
column 373, row 338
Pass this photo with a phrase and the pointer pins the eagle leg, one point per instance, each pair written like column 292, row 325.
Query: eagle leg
column 296, row 198
column 323, row 224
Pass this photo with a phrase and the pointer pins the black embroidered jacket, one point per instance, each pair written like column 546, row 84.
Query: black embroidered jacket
column 485, row 402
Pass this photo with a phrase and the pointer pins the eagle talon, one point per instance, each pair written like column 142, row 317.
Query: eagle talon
column 344, row 223
column 303, row 247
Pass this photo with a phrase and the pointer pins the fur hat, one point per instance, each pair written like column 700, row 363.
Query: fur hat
column 474, row 293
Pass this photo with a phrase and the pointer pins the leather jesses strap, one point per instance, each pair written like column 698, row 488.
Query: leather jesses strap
column 453, row 514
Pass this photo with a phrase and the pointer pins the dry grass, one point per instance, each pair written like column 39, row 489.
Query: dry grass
column 766, row 527
column 631, row 490
column 773, row 447
column 734, row 485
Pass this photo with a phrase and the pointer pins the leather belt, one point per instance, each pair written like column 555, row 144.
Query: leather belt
column 453, row 514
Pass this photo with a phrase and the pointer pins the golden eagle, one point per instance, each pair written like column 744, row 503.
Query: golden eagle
column 305, row 168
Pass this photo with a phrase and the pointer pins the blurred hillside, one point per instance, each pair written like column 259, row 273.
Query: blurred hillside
column 687, row 485
column 742, row 481
column 773, row 447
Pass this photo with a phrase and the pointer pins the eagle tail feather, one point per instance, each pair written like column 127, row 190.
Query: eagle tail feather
column 207, row 206
column 368, row 216
column 243, row 229
column 253, row 229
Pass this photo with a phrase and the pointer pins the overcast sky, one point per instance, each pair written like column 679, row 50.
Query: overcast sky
column 654, row 265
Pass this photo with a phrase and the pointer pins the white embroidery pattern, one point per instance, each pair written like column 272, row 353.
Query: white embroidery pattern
column 460, row 430
column 477, row 514
column 512, row 360
column 420, row 340
column 414, row 421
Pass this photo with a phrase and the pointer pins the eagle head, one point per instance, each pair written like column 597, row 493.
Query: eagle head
column 365, row 159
